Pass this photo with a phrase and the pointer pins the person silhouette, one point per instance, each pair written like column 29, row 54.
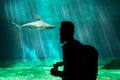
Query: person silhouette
column 80, row 62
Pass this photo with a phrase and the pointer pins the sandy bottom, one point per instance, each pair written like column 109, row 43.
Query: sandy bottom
column 42, row 72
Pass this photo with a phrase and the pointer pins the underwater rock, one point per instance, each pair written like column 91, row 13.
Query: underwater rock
column 113, row 64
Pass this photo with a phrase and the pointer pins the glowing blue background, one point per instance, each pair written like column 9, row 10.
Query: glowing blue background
column 96, row 23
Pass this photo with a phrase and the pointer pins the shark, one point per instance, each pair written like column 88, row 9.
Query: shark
column 37, row 25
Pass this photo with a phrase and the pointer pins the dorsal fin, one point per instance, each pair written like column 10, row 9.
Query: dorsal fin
column 38, row 18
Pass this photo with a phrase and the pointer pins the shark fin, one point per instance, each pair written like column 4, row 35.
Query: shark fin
column 38, row 18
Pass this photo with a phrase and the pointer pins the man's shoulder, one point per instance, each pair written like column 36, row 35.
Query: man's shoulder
column 90, row 48
column 74, row 43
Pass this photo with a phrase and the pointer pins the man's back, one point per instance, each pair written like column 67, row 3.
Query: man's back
column 81, row 60
column 90, row 62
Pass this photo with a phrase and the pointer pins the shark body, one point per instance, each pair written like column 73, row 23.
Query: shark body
column 39, row 24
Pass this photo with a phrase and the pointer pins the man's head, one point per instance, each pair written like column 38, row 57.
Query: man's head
column 66, row 31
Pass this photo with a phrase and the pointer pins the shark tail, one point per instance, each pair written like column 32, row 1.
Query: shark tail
column 16, row 24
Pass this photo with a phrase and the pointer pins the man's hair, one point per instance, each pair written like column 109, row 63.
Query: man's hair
column 68, row 27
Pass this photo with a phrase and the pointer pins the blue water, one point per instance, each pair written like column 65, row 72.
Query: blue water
column 93, row 22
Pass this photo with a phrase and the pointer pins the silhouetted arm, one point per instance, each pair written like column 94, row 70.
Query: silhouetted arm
column 58, row 64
